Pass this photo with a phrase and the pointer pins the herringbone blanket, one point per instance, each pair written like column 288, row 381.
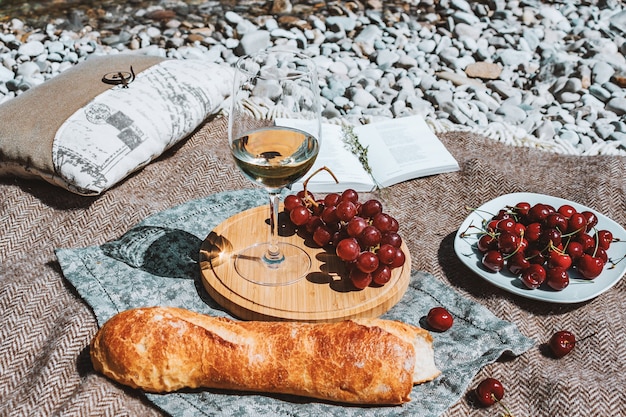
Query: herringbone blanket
column 45, row 327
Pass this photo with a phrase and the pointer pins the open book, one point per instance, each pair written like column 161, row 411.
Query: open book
column 376, row 155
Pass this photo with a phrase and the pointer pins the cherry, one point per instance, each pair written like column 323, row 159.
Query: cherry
column 522, row 208
column 604, row 239
column 586, row 240
column 557, row 221
column 438, row 318
column 533, row 276
column 559, row 259
column 577, row 223
column 575, row 250
column 489, row 391
column 535, row 256
column 589, row 266
column 533, row 232
column 487, row 242
column 508, row 242
column 550, row 237
column 539, row 212
column 591, row 218
column 506, row 225
column 493, row 260
column 561, row 343
column 557, row 278
column 517, row 263
column 567, row 210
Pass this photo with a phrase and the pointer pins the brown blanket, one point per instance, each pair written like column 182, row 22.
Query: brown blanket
column 45, row 328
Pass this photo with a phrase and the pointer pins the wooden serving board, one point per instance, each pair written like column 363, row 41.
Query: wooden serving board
column 324, row 295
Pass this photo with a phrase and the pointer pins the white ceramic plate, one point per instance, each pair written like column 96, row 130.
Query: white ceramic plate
column 578, row 290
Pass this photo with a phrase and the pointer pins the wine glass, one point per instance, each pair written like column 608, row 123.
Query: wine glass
column 274, row 136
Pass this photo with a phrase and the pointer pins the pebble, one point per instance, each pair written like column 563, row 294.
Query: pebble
column 484, row 70
column 555, row 70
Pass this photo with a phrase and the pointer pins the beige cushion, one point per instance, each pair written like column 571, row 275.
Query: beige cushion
column 85, row 135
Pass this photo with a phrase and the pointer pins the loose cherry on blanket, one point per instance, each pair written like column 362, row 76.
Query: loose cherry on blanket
column 561, row 343
column 438, row 318
column 490, row 391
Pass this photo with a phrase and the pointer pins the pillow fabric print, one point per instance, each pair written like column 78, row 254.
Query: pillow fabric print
column 119, row 125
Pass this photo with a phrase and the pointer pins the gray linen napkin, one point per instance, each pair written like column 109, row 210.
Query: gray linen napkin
column 156, row 263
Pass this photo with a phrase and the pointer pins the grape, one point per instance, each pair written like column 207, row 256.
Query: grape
column 399, row 259
column 356, row 226
column 382, row 275
column 322, row 236
column 367, row 261
column 363, row 236
column 350, row 195
column 332, row 199
column 346, row 210
column 300, row 215
column 329, row 215
column 386, row 254
column 371, row 208
column 360, row 279
column 348, row 249
column 292, row 201
column 382, row 222
column 392, row 238
column 370, row 236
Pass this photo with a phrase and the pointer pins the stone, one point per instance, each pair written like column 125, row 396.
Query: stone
column 602, row 72
column 32, row 48
column 483, row 70
column 617, row 105
column 254, row 42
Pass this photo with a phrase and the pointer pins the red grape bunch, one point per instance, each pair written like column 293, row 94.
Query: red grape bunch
column 361, row 234
column 542, row 244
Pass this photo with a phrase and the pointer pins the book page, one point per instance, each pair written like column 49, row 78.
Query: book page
column 334, row 155
column 404, row 148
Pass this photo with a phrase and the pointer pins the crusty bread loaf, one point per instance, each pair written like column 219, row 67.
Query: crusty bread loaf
column 364, row 361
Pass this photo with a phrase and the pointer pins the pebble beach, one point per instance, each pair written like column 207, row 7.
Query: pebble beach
column 543, row 74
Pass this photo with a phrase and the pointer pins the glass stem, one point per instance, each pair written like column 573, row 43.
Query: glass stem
column 273, row 254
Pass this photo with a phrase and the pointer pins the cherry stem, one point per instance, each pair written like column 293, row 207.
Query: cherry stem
column 507, row 412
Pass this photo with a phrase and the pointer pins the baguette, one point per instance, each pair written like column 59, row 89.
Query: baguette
column 361, row 361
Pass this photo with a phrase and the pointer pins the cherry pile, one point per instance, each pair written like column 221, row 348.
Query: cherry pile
column 542, row 244
column 361, row 234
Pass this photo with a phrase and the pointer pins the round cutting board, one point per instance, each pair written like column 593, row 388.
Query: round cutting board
column 324, row 295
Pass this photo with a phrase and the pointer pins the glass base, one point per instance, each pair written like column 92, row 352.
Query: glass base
column 252, row 265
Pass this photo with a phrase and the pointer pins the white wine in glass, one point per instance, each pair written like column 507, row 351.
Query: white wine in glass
column 273, row 91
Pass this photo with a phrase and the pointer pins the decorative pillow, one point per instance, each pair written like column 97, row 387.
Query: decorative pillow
column 89, row 127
